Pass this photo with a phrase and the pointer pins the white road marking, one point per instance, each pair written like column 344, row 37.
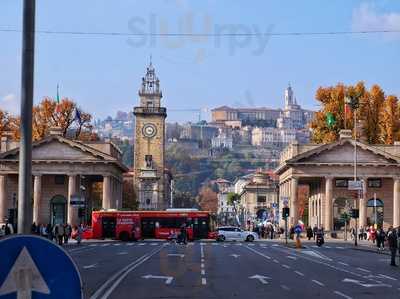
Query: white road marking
column 203, row 272
column 339, row 247
column 235, row 255
column 318, row 282
column 342, row 295
column 202, row 265
column 260, row 278
column 239, row 244
column 259, row 253
column 344, row 264
column 112, row 283
column 364, row 270
column 250, row 245
column 203, row 281
column 215, row 244
column 286, row 266
column 202, row 251
column 275, row 245
column 276, row 261
column 176, row 254
column 130, row 244
column 117, row 244
column 286, row 288
column 292, row 257
column 202, row 260
column 154, row 244
column 388, row 277
column 93, row 245
column 142, row 244
column 104, row 245
column 366, row 285
column 299, row 273
column 90, row 266
column 122, row 253
column 316, row 254
column 327, row 246
column 168, row 279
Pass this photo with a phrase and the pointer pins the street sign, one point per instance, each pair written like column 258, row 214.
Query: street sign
column 77, row 201
column 355, row 185
column 34, row 265
column 274, row 205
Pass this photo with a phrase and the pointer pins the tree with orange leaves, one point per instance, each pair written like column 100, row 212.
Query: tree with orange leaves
column 49, row 113
column 376, row 114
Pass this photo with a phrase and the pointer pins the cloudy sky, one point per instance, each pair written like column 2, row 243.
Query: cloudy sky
column 102, row 72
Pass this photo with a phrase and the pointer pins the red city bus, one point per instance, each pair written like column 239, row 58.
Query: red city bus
column 125, row 225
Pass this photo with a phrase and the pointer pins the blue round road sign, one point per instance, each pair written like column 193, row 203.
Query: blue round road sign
column 34, row 267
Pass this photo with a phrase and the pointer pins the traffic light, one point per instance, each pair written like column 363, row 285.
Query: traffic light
column 285, row 212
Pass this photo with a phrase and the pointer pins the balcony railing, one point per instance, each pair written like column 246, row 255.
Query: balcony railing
column 150, row 110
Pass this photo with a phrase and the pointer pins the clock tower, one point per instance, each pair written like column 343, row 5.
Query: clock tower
column 149, row 148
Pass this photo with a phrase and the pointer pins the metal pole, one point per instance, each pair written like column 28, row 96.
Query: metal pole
column 25, row 154
column 286, row 227
column 355, row 145
column 171, row 203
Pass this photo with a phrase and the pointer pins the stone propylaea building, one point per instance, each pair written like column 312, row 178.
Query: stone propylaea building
column 63, row 174
column 328, row 168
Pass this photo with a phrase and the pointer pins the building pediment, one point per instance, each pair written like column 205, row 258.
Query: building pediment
column 59, row 148
column 342, row 152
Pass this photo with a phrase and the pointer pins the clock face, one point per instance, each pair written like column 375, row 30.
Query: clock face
column 149, row 130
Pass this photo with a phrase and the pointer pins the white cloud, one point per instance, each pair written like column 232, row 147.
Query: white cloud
column 11, row 103
column 367, row 17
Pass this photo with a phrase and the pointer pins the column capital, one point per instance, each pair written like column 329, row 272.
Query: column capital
column 329, row 177
column 396, row 178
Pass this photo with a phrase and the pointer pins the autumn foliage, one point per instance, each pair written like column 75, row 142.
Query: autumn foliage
column 47, row 114
column 377, row 115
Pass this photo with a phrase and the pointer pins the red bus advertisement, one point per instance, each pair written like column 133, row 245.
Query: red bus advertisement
column 134, row 225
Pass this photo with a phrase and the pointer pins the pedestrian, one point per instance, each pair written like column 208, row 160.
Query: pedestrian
column 309, row 233
column 79, row 232
column 9, row 229
column 272, row 232
column 183, row 234
column 49, row 231
column 67, row 233
column 315, row 229
column 392, row 240
column 33, row 228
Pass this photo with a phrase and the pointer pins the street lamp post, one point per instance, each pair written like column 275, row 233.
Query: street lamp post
column 25, row 153
column 353, row 100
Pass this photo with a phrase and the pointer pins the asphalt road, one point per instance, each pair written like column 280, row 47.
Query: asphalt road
column 232, row 270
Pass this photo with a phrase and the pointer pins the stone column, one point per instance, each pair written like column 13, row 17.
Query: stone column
column 73, row 218
column 37, row 198
column 396, row 202
column 294, row 209
column 106, row 204
column 3, row 198
column 328, row 204
column 363, row 205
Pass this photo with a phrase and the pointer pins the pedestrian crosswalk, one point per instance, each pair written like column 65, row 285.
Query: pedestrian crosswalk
column 261, row 245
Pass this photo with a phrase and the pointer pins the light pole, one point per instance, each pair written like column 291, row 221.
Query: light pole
column 25, row 153
column 353, row 100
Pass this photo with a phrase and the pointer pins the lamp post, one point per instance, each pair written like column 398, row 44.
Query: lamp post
column 353, row 100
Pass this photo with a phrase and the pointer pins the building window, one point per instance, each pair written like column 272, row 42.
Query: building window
column 374, row 183
column 59, row 179
column 341, row 183
column 261, row 199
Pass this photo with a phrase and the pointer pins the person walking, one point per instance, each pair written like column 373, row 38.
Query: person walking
column 309, row 233
column 392, row 240
column 79, row 232
column 315, row 229
column 272, row 231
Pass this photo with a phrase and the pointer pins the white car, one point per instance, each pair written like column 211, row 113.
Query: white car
column 232, row 233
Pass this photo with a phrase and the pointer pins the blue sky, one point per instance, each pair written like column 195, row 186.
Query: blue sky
column 103, row 73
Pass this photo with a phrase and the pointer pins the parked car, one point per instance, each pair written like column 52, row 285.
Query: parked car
column 232, row 233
